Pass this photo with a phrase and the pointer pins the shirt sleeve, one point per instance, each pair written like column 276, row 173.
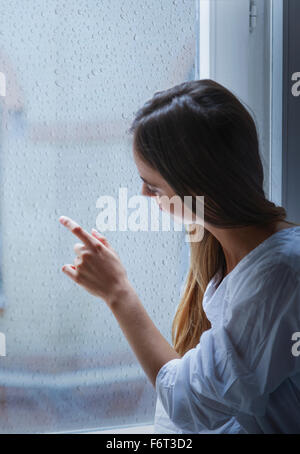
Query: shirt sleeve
column 237, row 365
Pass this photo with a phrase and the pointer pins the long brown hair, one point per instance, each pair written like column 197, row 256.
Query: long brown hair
column 203, row 141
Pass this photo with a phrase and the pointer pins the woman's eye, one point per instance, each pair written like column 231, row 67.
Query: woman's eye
column 151, row 191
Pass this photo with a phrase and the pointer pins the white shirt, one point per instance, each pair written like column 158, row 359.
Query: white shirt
column 243, row 376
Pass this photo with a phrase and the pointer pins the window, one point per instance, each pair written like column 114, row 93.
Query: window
column 76, row 74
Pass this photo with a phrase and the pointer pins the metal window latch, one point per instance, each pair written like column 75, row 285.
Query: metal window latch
column 252, row 16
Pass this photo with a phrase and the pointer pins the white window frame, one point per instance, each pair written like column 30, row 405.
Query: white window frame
column 206, row 47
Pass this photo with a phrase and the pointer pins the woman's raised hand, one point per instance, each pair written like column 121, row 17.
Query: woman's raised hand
column 97, row 266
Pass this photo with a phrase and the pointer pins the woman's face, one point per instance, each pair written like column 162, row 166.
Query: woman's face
column 154, row 185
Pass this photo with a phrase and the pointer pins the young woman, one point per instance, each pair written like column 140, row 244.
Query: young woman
column 233, row 366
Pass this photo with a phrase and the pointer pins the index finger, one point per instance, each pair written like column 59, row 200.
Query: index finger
column 77, row 230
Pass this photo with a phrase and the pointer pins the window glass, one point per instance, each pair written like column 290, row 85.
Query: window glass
column 76, row 72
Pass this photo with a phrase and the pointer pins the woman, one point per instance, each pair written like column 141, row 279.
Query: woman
column 231, row 367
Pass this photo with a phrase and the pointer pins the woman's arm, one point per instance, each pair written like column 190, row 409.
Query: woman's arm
column 150, row 347
column 99, row 270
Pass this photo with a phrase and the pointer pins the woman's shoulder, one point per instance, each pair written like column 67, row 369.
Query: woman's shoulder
column 272, row 268
column 279, row 251
column 282, row 254
column 287, row 250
